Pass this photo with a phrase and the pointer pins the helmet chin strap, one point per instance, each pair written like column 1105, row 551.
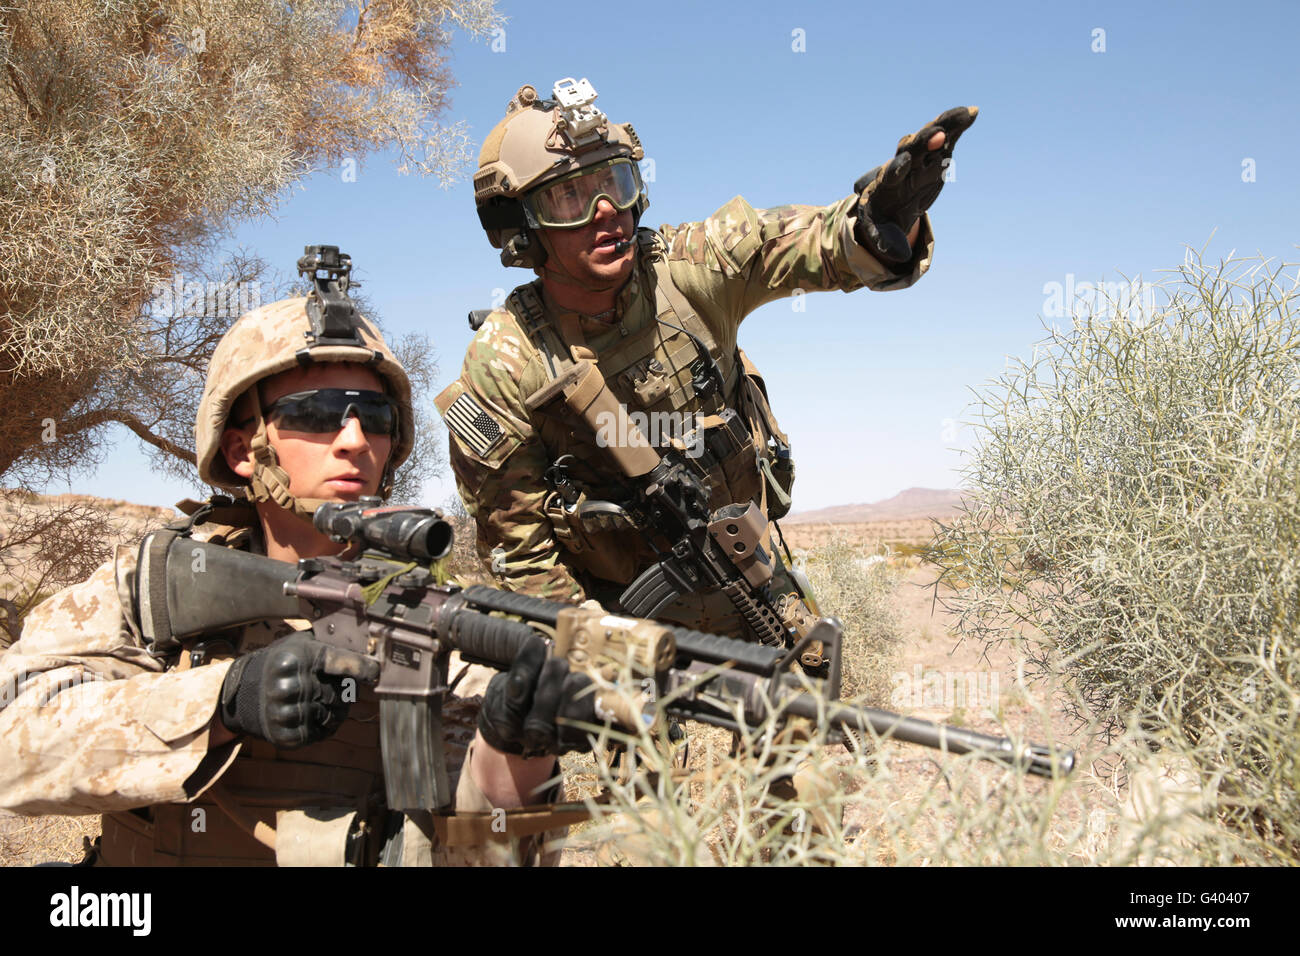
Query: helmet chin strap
column 270, row 482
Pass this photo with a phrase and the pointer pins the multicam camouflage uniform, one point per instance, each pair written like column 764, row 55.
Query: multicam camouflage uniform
column 91, row 722
column 716, row 272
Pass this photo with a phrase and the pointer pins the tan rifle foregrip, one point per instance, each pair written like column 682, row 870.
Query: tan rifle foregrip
column 587, row 395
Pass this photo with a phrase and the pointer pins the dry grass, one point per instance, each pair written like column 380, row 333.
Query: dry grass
column 899, row 805
column 853, row 582
column 26, row 841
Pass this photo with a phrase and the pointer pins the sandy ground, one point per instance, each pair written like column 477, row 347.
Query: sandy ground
column 914, row 531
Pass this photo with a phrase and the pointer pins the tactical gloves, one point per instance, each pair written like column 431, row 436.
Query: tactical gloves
column 291, row 693
column 521, row 706
column 894, row 196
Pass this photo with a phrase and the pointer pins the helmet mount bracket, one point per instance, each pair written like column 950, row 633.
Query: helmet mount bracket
column 576, row 118
column 332, row 313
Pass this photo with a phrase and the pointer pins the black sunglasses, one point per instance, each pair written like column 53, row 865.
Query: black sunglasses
column 323, row 411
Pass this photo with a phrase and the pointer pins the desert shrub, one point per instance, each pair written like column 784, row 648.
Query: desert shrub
column 887, row 804
column 1135, row 516
column 134, row 137
column 856, row 584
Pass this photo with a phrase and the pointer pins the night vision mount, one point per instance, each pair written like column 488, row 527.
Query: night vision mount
column 333, row 314
column 576, row 117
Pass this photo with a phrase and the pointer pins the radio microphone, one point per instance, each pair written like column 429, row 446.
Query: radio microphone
column 622, row 246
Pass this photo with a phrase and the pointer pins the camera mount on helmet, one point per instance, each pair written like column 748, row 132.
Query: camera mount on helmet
column 333, row 314
column 576, row 118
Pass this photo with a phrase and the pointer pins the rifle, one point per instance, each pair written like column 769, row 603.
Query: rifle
column 706, row 551
column 388, row 604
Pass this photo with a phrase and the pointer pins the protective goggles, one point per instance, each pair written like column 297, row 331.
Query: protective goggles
column 324, row 411
column 571, row 201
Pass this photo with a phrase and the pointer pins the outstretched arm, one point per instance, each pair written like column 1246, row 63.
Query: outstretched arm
column 897, row 194
column 741, row 257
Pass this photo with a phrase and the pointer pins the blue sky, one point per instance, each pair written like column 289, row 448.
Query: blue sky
column 1096, row 164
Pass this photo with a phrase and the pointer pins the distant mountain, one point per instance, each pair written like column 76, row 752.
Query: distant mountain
column 906, row 505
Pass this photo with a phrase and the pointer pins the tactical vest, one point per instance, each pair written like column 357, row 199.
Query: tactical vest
column 324, row 802
column 649, row 371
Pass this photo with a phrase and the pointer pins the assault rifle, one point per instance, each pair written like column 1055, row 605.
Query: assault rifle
column 706, row 552
column 388, row 604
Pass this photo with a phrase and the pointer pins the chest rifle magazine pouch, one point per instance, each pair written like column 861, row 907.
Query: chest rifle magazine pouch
column 604, row 551
column 729, row 455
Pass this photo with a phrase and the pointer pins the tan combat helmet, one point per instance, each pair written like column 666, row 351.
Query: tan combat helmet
column 539, row 142
column 321, row 327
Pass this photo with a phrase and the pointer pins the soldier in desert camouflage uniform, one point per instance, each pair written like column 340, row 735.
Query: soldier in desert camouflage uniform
column 197, row 756
column 558, row 189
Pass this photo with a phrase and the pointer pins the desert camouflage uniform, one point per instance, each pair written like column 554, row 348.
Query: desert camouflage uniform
column 90, row 722
column 725, row 267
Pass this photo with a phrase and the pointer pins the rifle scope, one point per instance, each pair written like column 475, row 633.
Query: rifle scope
column 413, row 534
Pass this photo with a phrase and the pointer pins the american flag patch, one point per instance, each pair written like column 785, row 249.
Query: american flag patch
column 475, row 427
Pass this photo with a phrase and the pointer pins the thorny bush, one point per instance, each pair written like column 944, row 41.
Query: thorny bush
column 1134, row 519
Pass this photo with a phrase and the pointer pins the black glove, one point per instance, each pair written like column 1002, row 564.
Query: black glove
column 290, row 692
column 895, row 195
column 521, row 706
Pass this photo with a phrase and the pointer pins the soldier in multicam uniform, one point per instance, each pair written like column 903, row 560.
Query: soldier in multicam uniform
column 558, row 190
column 240, row 748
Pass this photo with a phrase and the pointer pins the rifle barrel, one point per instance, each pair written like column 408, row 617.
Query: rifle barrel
column 1038, row 760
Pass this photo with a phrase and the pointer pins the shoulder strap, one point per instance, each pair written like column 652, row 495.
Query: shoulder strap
column 754, row 393
column 526, row 303
column 670, row 301
column 530, row 310
column 233, row 522
column 651, row 244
